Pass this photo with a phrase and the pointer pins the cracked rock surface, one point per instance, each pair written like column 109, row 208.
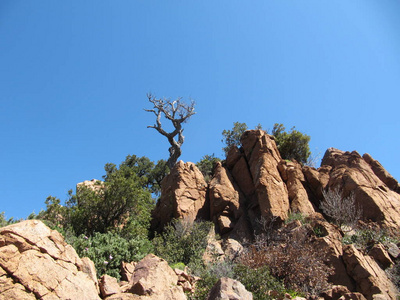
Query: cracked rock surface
column 36, row 263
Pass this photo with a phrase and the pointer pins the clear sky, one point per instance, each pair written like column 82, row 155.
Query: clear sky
column 74, row 77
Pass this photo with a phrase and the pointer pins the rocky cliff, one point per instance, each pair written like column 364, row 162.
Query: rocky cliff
column 251, row 185
column 254, row 183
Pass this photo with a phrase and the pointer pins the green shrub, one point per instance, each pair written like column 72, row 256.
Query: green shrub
column 206, row 166
column 108, row 250
column 365, row 238
column 178, row 265
column 183, row 242
column 293, row 144
column 296, row 216
column 259, row 281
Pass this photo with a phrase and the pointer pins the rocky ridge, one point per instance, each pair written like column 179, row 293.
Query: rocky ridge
column 253, row 183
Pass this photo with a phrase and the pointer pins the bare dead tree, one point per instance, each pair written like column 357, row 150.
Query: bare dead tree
column 343, row 210
column 177, row 112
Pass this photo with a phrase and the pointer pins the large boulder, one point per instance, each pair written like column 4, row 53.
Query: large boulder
column 229, row 289
column 153, row 277
column 263, row 158
column 35, row 262
column 353, row 175
column 183, row 196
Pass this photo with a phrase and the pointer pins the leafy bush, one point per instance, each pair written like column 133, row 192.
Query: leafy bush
column 259, row 281
column 292, row 145
column 232, row 137
column 183, row 241
column 366, row 237
column 108, row 250
column 296, row 216
column 206, row 166
column 4, row 221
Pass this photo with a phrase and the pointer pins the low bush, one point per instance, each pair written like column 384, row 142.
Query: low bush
column 183, row 242
column 292, row 259
column 108, row 250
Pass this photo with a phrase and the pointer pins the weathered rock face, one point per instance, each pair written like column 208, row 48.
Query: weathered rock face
column 330, row 243
column 296, row 185
column 154, row 277
column 228, row 289
column 371, row 279
column 352, row 174
column 35, row 262
column 183, row 196
column 263, row 158
column 94, row 185
column 226, row 200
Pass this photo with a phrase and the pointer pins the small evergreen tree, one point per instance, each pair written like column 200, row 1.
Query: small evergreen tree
column 232, row 137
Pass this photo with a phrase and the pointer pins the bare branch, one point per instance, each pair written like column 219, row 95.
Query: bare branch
column 177, row 112
column 343, row 210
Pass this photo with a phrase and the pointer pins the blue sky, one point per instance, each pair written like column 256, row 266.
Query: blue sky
column 74, row 77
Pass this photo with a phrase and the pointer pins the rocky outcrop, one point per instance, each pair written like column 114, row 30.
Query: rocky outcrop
column 297, row 187
column 35, row 262
column 183, row 196
column 224, row 199
column 370, row 278
column 352, row 174
column 330, row 243
column 229, row 289
column 153, row 277
column 381, row 173
column 94, row 185
column 263, row 158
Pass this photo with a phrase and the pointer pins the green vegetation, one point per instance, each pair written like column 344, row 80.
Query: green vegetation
column 206, row 166
column 4, row 221
column 183, row 242
column 232, row 137
column 108, row 221
column 296, row 216
column 292, row 145
column 108, row 250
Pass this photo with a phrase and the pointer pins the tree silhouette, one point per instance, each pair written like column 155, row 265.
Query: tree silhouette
column 177, row 112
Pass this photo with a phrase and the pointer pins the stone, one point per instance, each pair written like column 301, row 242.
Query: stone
column 330, row 244
column 263, row 158
column 89, row 268
column 369, row 277
column 229, row 289
column 154, row 277
column 352, row 174
column 183, row 196
column 38, row 262
column 232, row 249
column 94, row 185
column 293, row 176
column 224, row 197
column 393, row 250
column 127, row 270
column 381, row 256
column 109, row 286
column 382, row 174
